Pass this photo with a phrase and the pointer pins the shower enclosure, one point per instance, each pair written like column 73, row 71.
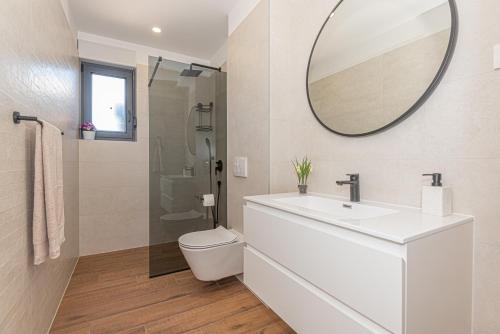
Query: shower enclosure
column 187, row 156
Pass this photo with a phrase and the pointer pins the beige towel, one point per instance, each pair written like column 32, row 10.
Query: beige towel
column 48, row 207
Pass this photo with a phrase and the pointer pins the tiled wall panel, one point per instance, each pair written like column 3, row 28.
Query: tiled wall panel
column 248, row 110
column 456, row 132
column 114, row 209
column 39, row 76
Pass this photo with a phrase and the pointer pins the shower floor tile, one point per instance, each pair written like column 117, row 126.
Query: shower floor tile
column 166, row 258
column 112, row 293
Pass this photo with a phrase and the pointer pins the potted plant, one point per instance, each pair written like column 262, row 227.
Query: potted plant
column 88, row 130
column 303, row 169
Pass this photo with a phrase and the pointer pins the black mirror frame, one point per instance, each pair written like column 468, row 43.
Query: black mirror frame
column 428, row 92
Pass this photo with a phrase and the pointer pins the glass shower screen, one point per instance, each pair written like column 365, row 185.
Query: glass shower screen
column 187, row 126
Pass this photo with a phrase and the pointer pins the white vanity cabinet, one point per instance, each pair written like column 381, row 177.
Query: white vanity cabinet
column 327, row 275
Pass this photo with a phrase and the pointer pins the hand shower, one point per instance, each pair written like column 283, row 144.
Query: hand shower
column 214, row 211
column 207, row 141
column 218, row 169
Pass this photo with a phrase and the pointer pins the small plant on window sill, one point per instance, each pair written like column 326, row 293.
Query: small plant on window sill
column 303, row 170
column 88, row 130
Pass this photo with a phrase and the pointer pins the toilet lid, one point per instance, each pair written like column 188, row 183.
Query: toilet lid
column 206, row 239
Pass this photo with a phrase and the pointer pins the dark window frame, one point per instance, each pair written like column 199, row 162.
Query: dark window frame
column 127, row 73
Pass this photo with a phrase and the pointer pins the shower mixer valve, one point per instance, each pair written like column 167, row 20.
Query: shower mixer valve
column 219, row 167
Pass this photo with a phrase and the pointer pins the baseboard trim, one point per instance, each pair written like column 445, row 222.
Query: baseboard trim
column 64, row 293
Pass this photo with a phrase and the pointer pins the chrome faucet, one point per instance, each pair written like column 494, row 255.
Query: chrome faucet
column 354, row 183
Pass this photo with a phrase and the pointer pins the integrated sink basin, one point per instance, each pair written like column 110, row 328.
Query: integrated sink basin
column 337, row 209
column 396, row 223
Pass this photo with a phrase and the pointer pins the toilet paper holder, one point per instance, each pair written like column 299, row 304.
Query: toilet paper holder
column 206, row 199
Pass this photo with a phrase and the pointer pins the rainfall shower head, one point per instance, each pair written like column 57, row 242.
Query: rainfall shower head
column 191, row 72
column 196, row 73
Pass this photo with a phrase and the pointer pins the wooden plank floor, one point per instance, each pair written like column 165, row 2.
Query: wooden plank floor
column 112, row 293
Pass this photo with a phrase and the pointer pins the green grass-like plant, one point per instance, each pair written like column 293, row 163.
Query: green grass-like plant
column 303, row 169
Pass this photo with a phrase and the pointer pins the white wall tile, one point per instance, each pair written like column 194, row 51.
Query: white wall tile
column 39, row 77
column 455, row 132
column 114, row 186
column 248, row 109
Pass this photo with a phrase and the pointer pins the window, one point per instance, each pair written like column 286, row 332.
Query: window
column 108, row 100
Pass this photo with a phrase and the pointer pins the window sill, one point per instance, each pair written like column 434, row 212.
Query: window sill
column 109, row 140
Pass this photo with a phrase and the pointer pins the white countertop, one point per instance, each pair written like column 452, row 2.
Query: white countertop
column 403, row 226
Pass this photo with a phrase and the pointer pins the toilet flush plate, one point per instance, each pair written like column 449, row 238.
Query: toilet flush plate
column 240, row 167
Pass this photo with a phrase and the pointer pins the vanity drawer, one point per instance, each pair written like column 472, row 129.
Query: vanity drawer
column 366, row 279
column 304, row 307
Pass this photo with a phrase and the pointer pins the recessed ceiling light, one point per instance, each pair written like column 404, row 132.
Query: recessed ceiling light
column 156, row 30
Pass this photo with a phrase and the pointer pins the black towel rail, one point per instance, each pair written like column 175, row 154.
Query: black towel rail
column 17, row 117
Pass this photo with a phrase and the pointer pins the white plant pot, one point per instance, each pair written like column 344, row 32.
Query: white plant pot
column 88, row 135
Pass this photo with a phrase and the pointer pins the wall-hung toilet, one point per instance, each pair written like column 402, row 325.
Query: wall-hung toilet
column 213, row 254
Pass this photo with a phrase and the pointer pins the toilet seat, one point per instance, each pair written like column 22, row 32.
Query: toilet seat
column 207, row 239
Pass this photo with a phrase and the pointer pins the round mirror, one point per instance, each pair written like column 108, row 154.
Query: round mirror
column 376, row 62
column 191, row 133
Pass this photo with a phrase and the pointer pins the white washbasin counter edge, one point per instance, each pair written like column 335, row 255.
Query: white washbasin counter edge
column 404, row 225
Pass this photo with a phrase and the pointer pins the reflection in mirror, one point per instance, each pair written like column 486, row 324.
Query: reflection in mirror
column 375, row 62
column 190, row 132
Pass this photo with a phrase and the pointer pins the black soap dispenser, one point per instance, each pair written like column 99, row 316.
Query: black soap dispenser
column 436, row 199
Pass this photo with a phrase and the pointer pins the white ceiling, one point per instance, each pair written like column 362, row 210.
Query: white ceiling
column 196, row 28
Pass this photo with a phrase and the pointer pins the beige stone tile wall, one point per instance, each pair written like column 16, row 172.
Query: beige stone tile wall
column 248, row 109
column 115, row 182
column 114, row 207
column 39, row 76
column 456, row 132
